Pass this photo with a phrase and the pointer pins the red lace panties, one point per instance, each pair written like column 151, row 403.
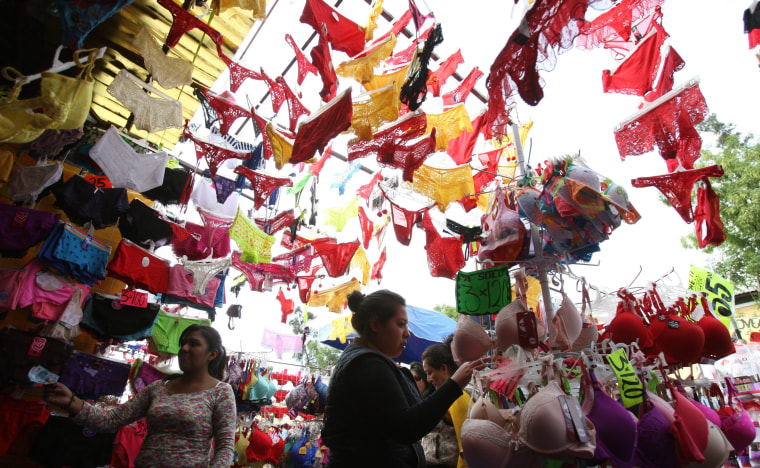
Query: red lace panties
column 263, row 184
column 304, row 66
column 226, row 112
column 445, row 256
column 183, row 22
column 707, row 216
column 273, row 225
column 214, row 155
column 336, row 256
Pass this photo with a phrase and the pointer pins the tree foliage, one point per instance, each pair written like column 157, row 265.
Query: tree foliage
column 447, row 310
column 316, row 355
column 738, row 258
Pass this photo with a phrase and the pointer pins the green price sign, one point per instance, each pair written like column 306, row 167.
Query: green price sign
column 483, row 292
column 631, row 388
column 720, row 293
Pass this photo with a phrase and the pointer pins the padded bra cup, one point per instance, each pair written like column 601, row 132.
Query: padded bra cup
column 716, row 451
column 567, row 323
column 485, row 444
column 470, row 340
column 507, row 328
column 261, row 388
column 656, row 447
column 589, row 334
column 680, row 339
column 484, row 409
column 627, row 327
column 616, row 431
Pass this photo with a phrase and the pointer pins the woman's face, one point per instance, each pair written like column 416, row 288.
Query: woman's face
column 194, row 353
column 420, row 380
column 390, row 337
column 436, row 376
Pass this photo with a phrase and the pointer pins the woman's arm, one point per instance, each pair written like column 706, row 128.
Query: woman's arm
column 223, row 422
column 110, row 419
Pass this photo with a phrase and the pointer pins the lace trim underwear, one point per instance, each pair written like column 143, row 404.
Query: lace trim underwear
column 444, row 254
column 444, row 185
column 205, row 271
column 368, row 115
column 366, row 190
column 227, row 113
column 255, row 243
column 336, row 256
column 447, row 68
column 238, row 75
column 304, row 66
column 334, row 298
column 183, row 22
column 361, row 68
column 449, row 125
column 385, row 141
column 213, row 154
column 263, row 184
column 377, row 268
column 152, row 114
column 672, row 63
column 279, row 222
column 414, row 91
column 409, row 156
column 338, row 216
column 614, row 23
column 317, row 131
column 636, row 74
column 170, row 72
column 464, row 89
column 297, row 260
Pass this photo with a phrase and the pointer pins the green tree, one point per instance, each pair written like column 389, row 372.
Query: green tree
column 447, row 310
column 315, row 355
column 738, row 258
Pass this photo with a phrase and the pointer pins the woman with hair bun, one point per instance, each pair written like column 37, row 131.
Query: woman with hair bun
column 443, row 445
column 184, row 414
column 375, row 416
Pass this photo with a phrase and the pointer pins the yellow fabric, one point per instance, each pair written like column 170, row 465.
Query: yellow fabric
column 374, row 14
column 282, row 146
column 448, row 125
column 361, row 68
column 255, row 243
column 240, row 446
column 360, row 261
column 338, row 216
column 458, row 413
column 507, row 141
column 444, row 185
column 7, row 159
column 257, row 7
column 15, row 122
column 381, row 107
column 334, row 298
column 341, row 328
column 395, row 78
column 532, row 294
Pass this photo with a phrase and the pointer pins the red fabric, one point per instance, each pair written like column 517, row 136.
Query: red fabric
column 384, row 141
column 677, row 187
column 464, row 89
column 263, row 184
column 448, row 67
column 336, row 256
column 663, row 126
column 690, row 430
column 262, row 124
column 366, row 190
column 614, row 23
column 275, row 224
column 304, row 287
column 406, row 55
column 297, row 260
column 295, row 107
column 213, row 154
column 304, row 66
column 377, row 268
column 397, row 27
column 754, row 38
column 226, row 112
column 417, row 16
column 139, row 268
column 316, row 167
column 320, row 56
column 409, row 156
column 718, row 343
column 621, row 47
column 239, row 73
column 343, row 34
column 366, row 225
column 286, row 305
column 445, row 256
column 709, row 227
column 183, row 21
column 253, row 275
column 404, row 220
column 317, row 131
column 673, row 63
column 460, row 148
column 636, row 74
column 553, row 26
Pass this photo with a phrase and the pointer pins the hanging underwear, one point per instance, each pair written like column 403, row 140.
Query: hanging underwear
column 286, row 306
column 205, row 271
column 20, row 351
column 447, row 68
column 394, row 79
column 181, row 286
column 613, row 23
column 304, row 66
column 78, row 19
column 223, row 188
column 282, row 146
column 361, row 67
column 315, row 132
column 384, row 142
column 444, row 254
column 342, row 33
column 461, row 148
column 444, row 185
column 126, row 168
column 404, row 220
column 216, row 233
column 295, row 107
column 50, row 144
column 377, row 268
column 752, row 26
column 320, row 56
column 369, row 114
column 17, row 125
column 336, row 256
column 170, row 72
column 92, row 377
column 171, row 190
column 334, row 298
column 297, row 188
column 152, row 114
column 409, row 156
column 709, row 227
column 304, row 287
column 342, row 178
column 277, row 223
column 397, row 26
column 316, row 168
column 227, row 113
column 338, row 216
column 83, row 202
column 254, row 276
column 449, row 125
column 553, row 27
column 297, row 260
column 204, row 196
column 255, row 243
column 127, row 444
column 262, row 276
column 139, row 268
column 366, row 225
column 406, row 55
column 78, row 254
column 636, row 74
column 168, row 329
column 263, row 184
column 677, row 187
column 360, row 261
column 215, row 155
column 114, row 319
column 460, row 93
column 27, row 183
column 414, row 90
column 671, row 64
column 366, row 190
column 469, row 234
column 663, row 126
column 238, row 75
column 209, row 114
column 183, row 22
column 23, row 228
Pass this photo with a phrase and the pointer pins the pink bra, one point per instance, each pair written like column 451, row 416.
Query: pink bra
column 567, row 324
column 508, row 326
column 471, row 341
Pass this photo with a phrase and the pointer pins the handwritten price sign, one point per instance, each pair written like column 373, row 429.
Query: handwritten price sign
column 720, row 293
column 631, row 388
column 483, row 292
column 99, row 181
column 134, row 298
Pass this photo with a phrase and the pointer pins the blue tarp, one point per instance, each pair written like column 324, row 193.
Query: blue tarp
column 427, row 327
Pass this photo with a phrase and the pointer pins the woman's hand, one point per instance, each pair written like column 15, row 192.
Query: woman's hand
column 463, row 375
column 60, row 395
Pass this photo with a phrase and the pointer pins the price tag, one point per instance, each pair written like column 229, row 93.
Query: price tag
column 483, row 292
column 631, row 388
column 720, row 293
column 99, row 181
column 134, row 298
column 172, row 164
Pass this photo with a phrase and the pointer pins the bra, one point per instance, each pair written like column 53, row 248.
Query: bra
column 260, row 446
column 273, row 387
column 716, row 451
column 471, row 341
column 718, row 342
column 678, row 338
column 691, row 430
column 626, row 328
column 508, row 328
column 260, row 389
column 567, row 324
column 485, row 444
column 736, row 425
column 656, row 446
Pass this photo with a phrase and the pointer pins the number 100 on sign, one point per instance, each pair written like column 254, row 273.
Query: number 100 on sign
column 483, row 292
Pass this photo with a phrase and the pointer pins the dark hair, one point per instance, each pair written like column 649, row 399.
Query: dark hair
column 439, row 354
column 419, row 369
column 214, row 343
column 382, row 304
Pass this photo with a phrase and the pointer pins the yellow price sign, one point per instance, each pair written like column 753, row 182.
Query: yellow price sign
column 720, row 293
column 172, row 164
column 631, row 388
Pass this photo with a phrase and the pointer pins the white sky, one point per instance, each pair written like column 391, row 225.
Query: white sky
column 575, row 115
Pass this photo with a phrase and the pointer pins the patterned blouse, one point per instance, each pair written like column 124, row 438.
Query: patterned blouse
column 180, row 425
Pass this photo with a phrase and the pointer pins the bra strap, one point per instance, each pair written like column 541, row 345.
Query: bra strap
column 92, row 56
column 11, row 74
